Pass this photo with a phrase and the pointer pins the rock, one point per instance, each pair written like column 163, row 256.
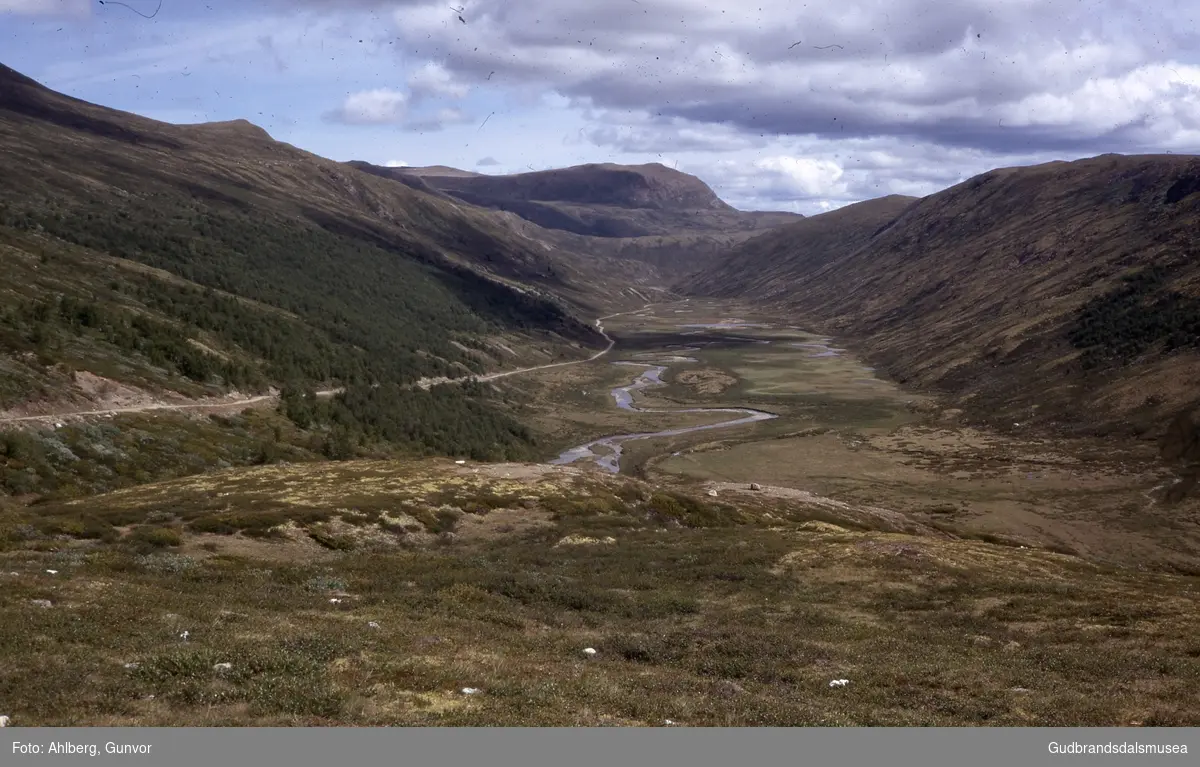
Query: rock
column 460, row 463
column 729, row 689
column 184, row 636
column 40, row 603
column 131, row 666
column 4, row 721
column 223, row 667
column 334, row 601
column 755, row 486
column 712, row 493
column 589, row 652
column 373, row 625
column 53, row 572
column 839, row 683
column 470, row 691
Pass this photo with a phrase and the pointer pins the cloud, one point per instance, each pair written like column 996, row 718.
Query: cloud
column 432, row 80
column 381, row 106
column 46, row 7
column 397, row 164
column 442, row 119
column 487, row 161
column 1085, row 75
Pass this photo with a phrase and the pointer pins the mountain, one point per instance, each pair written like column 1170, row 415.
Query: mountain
column 777, row 257
column 652, row 186
column 646, row 213
column 1064, row 294
column 150, row 262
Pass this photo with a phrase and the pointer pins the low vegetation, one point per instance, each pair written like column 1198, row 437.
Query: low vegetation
column 375, row 593
column 1138, row 315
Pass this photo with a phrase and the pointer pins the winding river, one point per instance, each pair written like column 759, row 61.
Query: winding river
column 606, row 451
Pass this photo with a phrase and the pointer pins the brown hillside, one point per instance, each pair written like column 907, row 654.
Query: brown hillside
column 646, row 213
column 978, row 291
column 779, row 255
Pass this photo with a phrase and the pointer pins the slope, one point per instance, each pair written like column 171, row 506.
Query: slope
column 148, row 262
column 646, row 213
column 373, row 593
column 1064, row 293
column 223, row 205
column 766, row 265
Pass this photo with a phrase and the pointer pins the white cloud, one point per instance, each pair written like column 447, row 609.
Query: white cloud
column 432, row 79
column 374, row 107
column 1040, row 74
column 808, row 177
column 46, row 7
column 397, row 164
column 440, row 120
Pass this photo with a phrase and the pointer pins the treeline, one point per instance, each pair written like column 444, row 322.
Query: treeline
column 399, row 314
column 43, row 325
column 444, row 420
column 1135, row 317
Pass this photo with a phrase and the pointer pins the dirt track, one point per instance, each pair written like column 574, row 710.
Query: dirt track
column 424, row 383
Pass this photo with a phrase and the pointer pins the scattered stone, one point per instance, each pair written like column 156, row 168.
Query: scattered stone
column 373, row 625
column 668, row 722
column 712, row 493
column 334, row 601
column 1019, row 689
column 755, row 486
column 729, row 689
column 4, row 721
column 221, row 668
column 132, row 666
column 460, row 463
column 40, row 603
column 839, row 683
column 470, row 691
column 589, row 651
column 53, row 572
column 583, row 540
column 184, row 636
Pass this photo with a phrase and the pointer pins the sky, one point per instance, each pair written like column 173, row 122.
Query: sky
column 776, row 104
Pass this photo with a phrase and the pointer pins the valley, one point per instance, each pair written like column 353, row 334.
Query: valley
column 861, row 534
column 841, row 432
column 289, row 441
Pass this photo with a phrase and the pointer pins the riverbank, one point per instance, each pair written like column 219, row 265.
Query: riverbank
column 844, row 433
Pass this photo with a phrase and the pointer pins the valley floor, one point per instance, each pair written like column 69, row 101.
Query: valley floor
column 845, row 433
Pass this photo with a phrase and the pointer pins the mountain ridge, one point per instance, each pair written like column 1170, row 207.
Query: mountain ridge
column 648, row 213
column 979, row 289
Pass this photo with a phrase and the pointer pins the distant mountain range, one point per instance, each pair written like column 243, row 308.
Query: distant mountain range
column 647, row 213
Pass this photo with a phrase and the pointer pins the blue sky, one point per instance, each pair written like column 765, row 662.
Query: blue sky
column 775, row 104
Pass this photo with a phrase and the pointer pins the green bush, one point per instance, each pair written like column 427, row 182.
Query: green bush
column 156, row 537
